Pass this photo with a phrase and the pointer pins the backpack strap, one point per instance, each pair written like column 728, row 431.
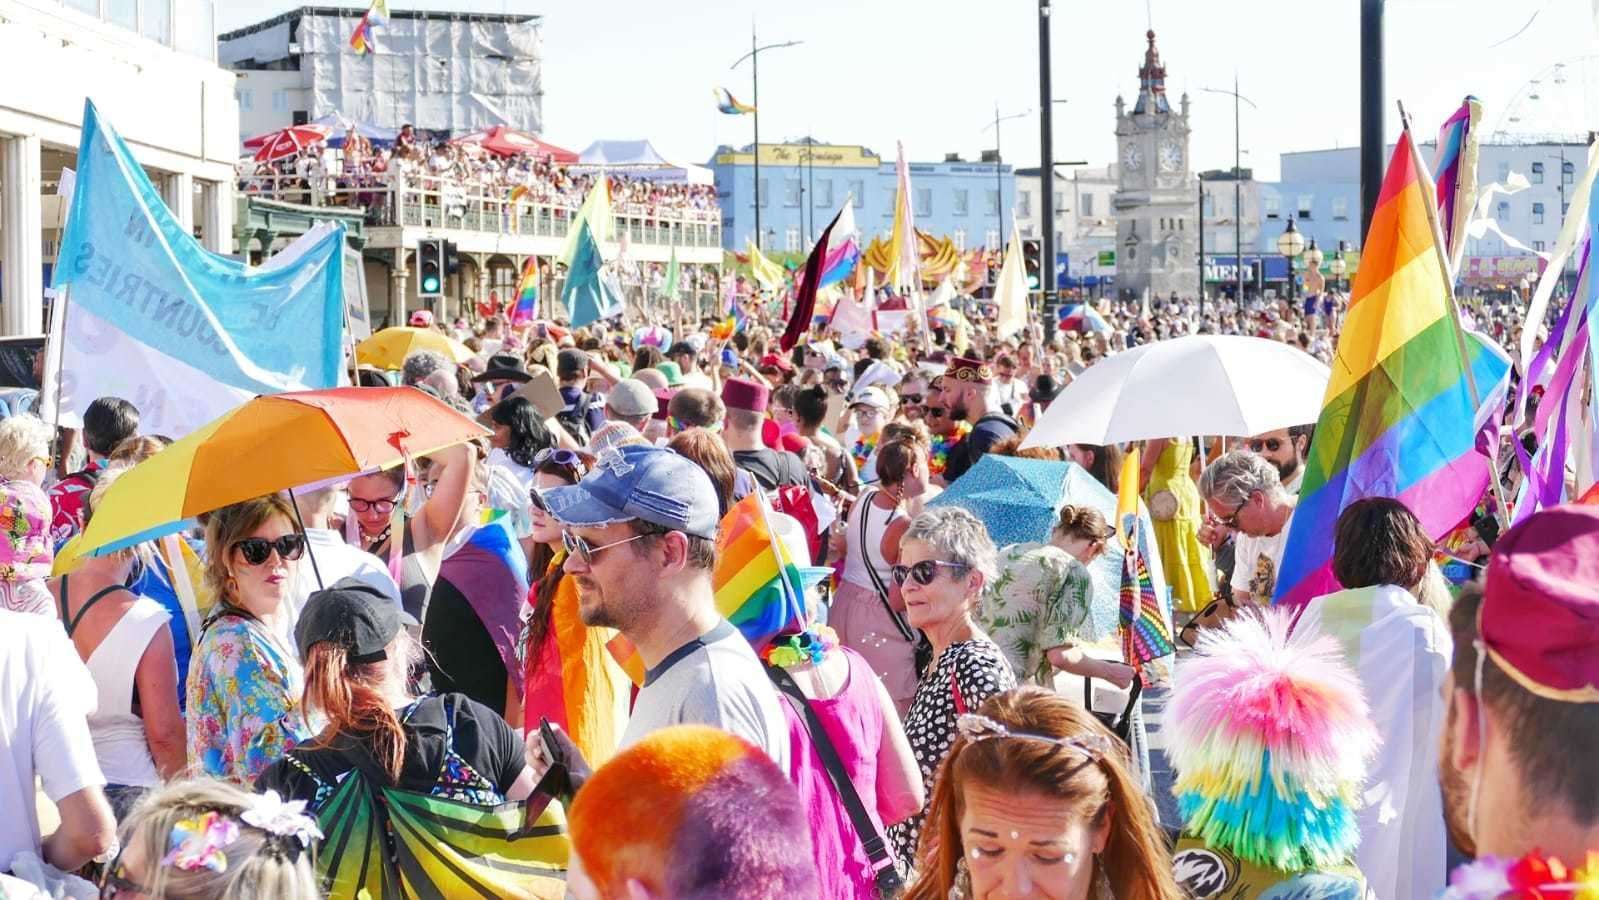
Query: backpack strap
column 887, row 877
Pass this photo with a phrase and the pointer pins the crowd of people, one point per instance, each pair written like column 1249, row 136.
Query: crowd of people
column 541, row 618
column 359, row 171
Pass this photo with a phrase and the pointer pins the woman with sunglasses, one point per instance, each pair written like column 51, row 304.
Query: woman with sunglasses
column 125, row 639
column 946, row 558
column 1035, row 800
column 569, row 678
column 244, row 678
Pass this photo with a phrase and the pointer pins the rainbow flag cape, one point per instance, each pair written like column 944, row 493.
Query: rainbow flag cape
column 759, row 588
column 377, row 14
column 1455, row 168
column 1144, row 632
column 525, row 308
column 490, row 571
column 726, row 104
column 1398, row 418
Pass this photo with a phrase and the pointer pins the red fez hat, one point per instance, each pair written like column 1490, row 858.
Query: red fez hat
column 741, row 393
column 1540, row 605
column 969, row 370
column 663, row 399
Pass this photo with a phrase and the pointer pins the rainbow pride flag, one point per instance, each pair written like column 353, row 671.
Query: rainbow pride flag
column 1398, row 419
column 728, row 105
column 1145, row 633
column 525, row 308
column 1455, row 173
column 759, row 588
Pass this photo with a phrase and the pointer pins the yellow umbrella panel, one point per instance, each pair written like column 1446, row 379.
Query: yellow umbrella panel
column 387, row 349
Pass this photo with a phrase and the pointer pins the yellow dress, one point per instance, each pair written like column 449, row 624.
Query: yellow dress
column 1185, row 560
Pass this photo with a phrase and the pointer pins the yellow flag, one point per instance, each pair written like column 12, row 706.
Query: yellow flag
column 768, row 273
column 1127, row 499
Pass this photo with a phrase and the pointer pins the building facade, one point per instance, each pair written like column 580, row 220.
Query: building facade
column 1085, row 221
column 803, row 184
column 446, row 73
column 151, row 70
column 1155, row 203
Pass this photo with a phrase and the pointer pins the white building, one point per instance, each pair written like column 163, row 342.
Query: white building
column 150, row 68
column 442, row 72
column 1085, row 222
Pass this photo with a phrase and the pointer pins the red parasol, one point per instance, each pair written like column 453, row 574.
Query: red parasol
column 286, row 142
column 510, row 142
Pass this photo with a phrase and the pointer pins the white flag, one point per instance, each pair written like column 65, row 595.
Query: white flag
column 1010, row 293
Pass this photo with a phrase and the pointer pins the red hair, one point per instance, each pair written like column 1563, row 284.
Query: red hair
column 350, row 695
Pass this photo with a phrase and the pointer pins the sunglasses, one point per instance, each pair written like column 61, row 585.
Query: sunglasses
column 927, row 570
column 1232, row 520
column 1271, row 444
column 935, row 412
column 911, row 399
column 576, row 546
column 115, row 883
column 570, row 459
column 257, row 550
column 383, row 507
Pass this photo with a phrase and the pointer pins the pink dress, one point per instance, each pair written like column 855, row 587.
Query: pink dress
column 853, row 719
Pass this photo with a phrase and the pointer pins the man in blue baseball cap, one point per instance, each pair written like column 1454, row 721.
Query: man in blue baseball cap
column 640, row 534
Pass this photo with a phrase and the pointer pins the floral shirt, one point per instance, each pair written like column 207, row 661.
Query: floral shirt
column 243, row 700
column 1041, row 600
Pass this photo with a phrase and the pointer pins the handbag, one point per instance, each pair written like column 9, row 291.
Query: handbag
column 888, row 882
column 922, row 647
column 1119, row 724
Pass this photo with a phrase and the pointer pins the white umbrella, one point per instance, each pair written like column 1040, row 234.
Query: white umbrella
column 1195, row 385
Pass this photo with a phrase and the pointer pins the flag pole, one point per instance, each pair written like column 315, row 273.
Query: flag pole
column 1455, row 327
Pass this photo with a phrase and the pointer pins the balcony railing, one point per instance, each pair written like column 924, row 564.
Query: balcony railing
column 428, row 201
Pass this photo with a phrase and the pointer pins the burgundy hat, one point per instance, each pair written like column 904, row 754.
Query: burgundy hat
column 969, row 370
column 663, row 399
column 1540, row 606
column 741, row 393
column 775, row 361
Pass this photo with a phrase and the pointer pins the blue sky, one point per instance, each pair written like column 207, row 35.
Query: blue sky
column 929, row 72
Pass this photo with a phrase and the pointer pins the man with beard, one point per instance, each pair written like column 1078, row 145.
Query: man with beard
column 1286, row 448
column 968, row 393
column 1516, row 765
column 641, row 545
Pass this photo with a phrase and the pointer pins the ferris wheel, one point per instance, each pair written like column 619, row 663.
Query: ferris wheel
column 1558, row 105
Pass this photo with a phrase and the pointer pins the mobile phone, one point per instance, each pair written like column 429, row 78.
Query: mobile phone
column 547, row 735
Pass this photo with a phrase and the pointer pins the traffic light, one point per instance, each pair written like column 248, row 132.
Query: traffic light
column 1033, row 262
column 430, row 267
column 452, row 258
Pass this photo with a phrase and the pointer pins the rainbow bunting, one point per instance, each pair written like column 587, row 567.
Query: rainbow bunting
column 1398, row 418
column 1144, row 632
column 525, row 308
column 758, row 586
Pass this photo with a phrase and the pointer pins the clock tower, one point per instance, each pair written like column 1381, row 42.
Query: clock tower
column 1157, row 237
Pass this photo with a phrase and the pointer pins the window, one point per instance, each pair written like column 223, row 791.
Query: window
column 765, row 190
column 991, row 203
column 157, row 20
column 1568, row 172
column 1024, row 204
column 792, row 192
column 1086, row 205
column 1340, row 208
column 1537, row 173
column 1537, row 214
column 924, row 201
column 1304, row 205
column 1060, row 201
column 1564, row 209
column 963, row 202
column 246, row 99
column 824, row 194
column 1209, row 207
column 960, row 239
column 857, row 189
column 791, row 240
column 1273, row 206
column 280, row 100
column 123, row 12
column 1502, row 209
column 991, row 239
column 1537, row 246
column 1504, row 172
column 92, row 7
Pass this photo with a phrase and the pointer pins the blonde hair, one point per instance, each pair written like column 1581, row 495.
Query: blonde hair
column 229, row 525
column 260, row 864
column 23, row 438
column 138, row 448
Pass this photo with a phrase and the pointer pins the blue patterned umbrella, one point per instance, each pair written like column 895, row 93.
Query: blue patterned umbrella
column 1020, row 499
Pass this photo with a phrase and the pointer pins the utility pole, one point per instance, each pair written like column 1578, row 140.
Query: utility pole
column 1371, row 110
column 1046, row 163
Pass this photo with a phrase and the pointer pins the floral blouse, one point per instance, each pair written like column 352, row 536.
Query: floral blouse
column 1041, row 600
column 243, row 700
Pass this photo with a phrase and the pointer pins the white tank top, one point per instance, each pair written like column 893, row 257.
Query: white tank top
column 857, row 558
column 120, row 742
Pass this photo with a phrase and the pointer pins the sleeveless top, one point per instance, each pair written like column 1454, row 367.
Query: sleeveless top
column 416, row 588
column 120, row 742
column 857, row 557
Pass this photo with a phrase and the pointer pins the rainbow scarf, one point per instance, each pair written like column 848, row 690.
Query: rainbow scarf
column 758, row 586
column 1398, row 420
column 863, row 449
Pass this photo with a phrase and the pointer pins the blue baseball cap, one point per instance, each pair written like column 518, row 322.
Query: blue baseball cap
column 652, row 484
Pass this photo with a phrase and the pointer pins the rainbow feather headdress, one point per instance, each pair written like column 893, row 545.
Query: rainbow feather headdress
column 1271, row 744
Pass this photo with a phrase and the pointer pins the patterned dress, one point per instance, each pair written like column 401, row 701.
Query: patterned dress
column 1041, row 600
column 243, row 699
column 963, row 676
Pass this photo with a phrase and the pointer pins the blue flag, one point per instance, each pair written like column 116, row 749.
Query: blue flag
column 129, row 263
column 589, row 295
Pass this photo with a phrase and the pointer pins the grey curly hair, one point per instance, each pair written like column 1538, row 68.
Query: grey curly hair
column 960, row 536
column 1236, row 476
column 419, row 365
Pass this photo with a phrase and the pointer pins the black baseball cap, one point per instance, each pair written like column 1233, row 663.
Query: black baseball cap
column 353, row 614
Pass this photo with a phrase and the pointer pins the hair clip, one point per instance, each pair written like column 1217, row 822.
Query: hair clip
column 198, row 842
column 975, row 728
column 286, row 819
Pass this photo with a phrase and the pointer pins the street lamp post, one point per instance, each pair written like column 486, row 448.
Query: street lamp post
column 1313, row 258
column 1339, row 266
column 754, row 56
column 1238, row 184
column 999, row 170
column 1290, row 244
column 1202, row 196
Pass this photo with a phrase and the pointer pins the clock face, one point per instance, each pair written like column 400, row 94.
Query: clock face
column 1132, row 157
column 1171, row 156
